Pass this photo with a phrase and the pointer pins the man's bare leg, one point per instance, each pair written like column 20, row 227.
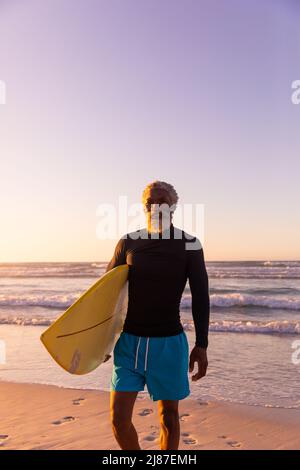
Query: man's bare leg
column 169, row 423
column 121, row 408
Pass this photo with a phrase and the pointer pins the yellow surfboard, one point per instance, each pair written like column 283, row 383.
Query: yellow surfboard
column 84, row 336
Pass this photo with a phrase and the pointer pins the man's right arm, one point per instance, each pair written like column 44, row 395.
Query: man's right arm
column 119, row 256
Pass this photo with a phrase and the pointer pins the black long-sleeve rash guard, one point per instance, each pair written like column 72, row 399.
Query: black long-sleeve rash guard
column 158, row 271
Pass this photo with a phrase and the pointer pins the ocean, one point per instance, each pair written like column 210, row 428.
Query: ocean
column 254, row 328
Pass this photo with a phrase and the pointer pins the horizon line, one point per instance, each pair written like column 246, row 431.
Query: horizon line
column 107, row 261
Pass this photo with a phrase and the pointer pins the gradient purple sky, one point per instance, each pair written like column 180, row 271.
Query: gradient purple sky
column 106, row 96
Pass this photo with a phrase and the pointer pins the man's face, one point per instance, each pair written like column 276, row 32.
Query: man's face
column 157, row 206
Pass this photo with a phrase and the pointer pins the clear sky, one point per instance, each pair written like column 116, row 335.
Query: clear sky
column 104, row 96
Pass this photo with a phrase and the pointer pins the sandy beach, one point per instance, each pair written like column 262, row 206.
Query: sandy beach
column 149, row 179
column 48, row 417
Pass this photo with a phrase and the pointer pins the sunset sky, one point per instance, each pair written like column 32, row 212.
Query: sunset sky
column 103, row 97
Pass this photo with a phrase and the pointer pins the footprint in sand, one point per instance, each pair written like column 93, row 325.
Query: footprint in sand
column 234, row 443
column 184, row 416
column 77, row 401
column 230, row 443
column 66, row 419
column 153, row 436
column 202, row 403
column 150, row 437
column 145, row 412
column 3, row 438
column 188, row 439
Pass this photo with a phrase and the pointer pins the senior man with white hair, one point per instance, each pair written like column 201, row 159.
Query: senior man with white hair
column 153, row 348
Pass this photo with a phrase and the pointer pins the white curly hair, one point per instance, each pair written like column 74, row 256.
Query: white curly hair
column 165, row 187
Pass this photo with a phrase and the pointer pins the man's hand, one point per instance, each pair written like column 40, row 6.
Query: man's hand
column 198, row 355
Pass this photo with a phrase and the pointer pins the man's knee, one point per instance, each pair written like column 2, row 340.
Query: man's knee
column 119, row 420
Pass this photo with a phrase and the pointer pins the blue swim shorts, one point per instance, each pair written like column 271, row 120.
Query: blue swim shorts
column 159, row 362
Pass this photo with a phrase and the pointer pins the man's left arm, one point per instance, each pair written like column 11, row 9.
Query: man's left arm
column 198, row 280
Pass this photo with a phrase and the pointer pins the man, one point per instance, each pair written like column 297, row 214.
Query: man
column 153, row 348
